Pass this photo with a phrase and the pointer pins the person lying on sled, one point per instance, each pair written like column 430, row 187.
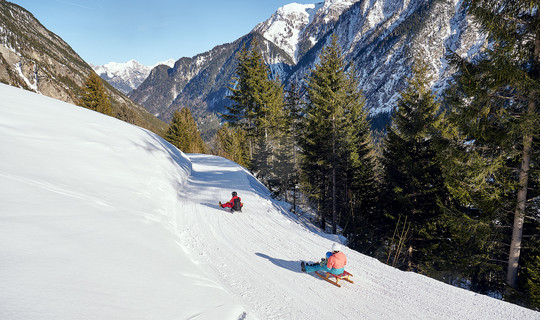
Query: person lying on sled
column 334, row 263
column 235, row 203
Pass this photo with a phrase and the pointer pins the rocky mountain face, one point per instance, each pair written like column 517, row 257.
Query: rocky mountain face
column 380, row 40
column 295, row 28
column 128, row 75
column 36, row 59
column 200, row 83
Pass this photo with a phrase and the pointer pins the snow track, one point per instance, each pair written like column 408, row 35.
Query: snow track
column 256, row 256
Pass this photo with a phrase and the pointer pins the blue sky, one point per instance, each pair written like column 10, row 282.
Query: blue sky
column 149, row 31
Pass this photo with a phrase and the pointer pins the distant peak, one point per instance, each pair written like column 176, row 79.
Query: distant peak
column 169, row 63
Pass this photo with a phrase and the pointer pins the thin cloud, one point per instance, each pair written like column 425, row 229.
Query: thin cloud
column 75, row 4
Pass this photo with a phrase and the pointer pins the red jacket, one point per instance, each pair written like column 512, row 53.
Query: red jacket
column 230, row 204
column 337, row 261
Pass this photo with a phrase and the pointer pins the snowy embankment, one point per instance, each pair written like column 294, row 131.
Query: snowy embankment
column 100, row 219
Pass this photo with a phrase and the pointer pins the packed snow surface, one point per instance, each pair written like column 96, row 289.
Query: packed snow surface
column 100, row 219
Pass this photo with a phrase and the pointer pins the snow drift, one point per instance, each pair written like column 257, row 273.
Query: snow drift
column 100, row 219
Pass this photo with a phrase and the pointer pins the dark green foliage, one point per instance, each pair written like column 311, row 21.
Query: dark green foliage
column 128, row 115
column 337, row 162
column 183, row 133
column 257, row 109
column 495, row 104
column 413, row 177
column 233, row 144
column 294, row 108
column 94, row 96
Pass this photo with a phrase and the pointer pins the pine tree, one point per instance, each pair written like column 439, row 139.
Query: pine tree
column 294, row 108
column 183, row 133
column 270, row 133
column 495, row 102
column 94, row 96
column 324, row 109
column 334, row 130
column 413, row 177
column 233, row 144
column 258, row 110
column 361, row 186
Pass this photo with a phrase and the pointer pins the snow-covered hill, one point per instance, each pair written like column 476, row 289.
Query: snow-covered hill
column 101, row 219
column 128, row 75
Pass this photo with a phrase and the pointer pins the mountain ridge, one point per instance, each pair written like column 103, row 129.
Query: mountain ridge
column 128, row 75
column 380, row 39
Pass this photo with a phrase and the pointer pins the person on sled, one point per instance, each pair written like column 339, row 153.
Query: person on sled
column 334, row 263
column 235, row 203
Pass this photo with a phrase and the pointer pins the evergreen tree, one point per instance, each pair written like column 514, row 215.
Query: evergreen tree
column 495, row 103
column 183, row 133
column 233, row 144
column 94, row 96
column 294, row 108
column 334, row 132
column 270, row 133
column 360, row 186
column 258, row 110
column 128, row 115
column 413, row 178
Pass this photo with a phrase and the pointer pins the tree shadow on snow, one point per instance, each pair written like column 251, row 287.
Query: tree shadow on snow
column 287, row 264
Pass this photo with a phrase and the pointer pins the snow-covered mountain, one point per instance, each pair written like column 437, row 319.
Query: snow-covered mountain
column 101, row 219
column 380, row 39
column 128, row 75
column 295, row 28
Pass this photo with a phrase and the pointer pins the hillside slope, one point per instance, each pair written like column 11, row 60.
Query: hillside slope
column 104, row 220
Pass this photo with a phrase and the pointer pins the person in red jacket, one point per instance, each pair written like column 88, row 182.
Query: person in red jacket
column 334, row 263
column 235, row 203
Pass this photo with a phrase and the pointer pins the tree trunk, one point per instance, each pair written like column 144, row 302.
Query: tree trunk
column 409, row 258
column 519, row 214
column 334, row 211
column 334, row 157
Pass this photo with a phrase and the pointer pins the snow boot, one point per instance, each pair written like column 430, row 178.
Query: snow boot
column 220, row 205
column 303, row 266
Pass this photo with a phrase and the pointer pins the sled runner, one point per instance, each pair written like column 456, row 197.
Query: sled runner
column 336, row 277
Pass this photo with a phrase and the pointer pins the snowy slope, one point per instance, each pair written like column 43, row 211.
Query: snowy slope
column 100, row 219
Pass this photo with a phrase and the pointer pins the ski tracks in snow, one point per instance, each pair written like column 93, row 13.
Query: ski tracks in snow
column 224, row 244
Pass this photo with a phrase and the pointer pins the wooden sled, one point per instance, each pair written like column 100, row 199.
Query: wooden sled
column 344, row 276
